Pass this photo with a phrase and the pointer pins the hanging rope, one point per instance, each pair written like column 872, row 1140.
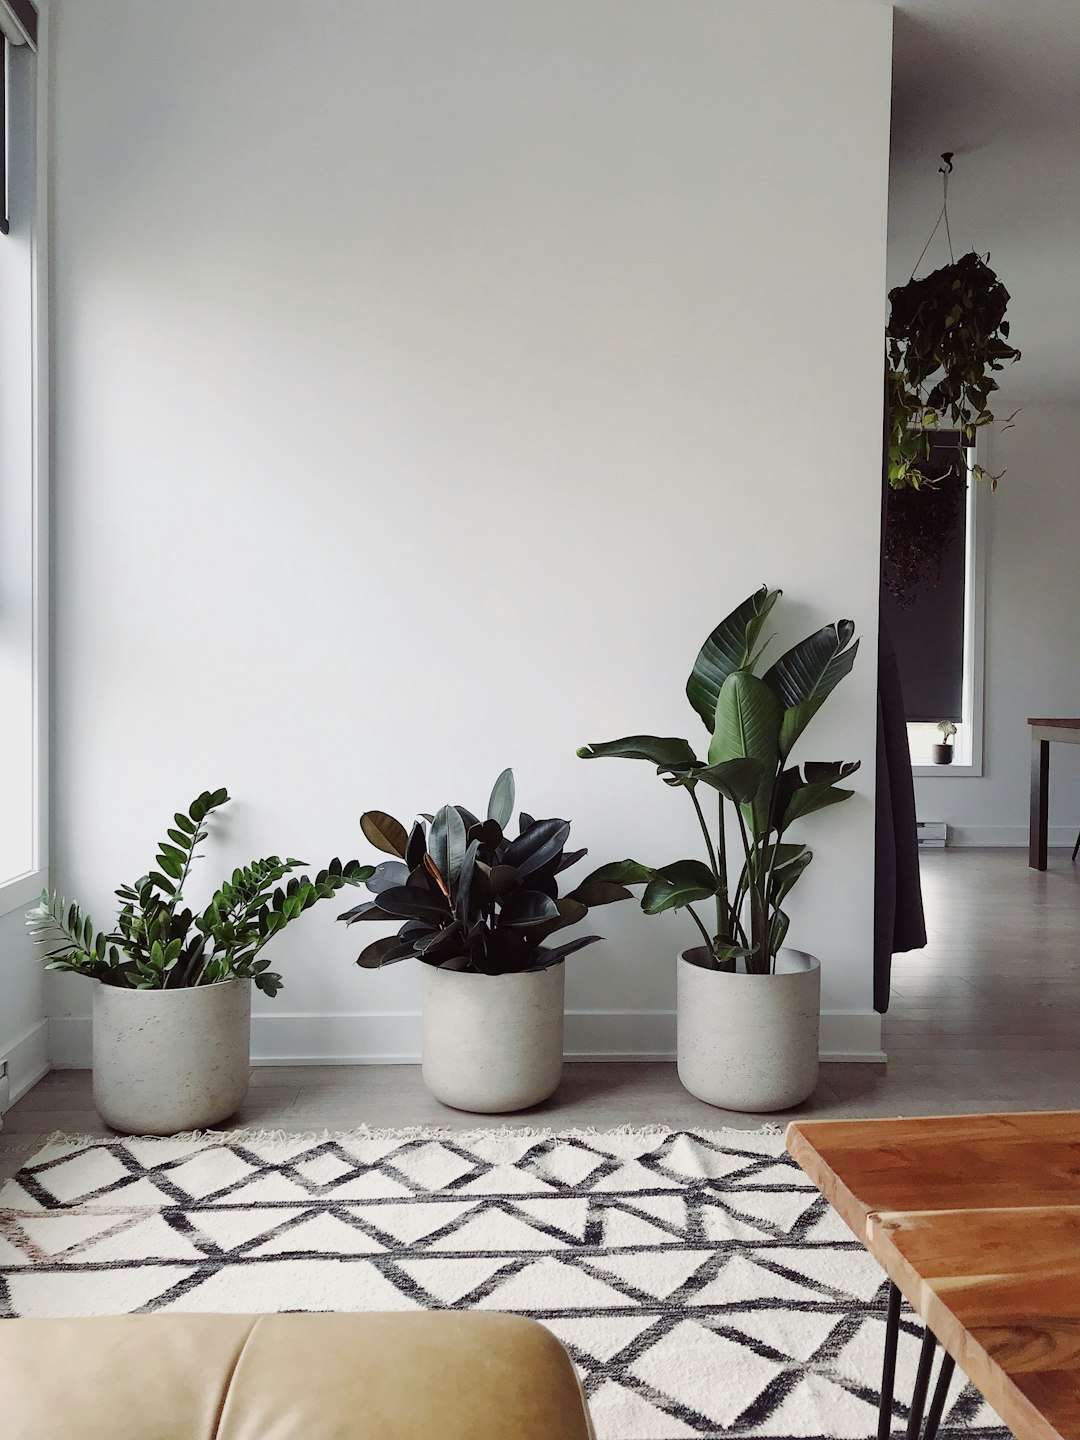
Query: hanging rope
column 944, row 171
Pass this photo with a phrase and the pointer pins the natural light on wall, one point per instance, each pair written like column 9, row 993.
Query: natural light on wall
column 20, row 577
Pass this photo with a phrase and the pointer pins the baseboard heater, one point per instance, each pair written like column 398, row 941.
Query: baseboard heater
column 933, row 834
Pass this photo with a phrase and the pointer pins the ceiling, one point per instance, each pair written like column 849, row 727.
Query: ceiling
column 998, row 83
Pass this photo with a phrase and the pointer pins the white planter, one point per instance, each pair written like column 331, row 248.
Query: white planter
column 750, row 1042
column 492, row 1043
column 171, row 1060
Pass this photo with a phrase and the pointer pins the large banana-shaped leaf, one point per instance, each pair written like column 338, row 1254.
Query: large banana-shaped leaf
column 807, row 674
column 621, row 872
column 666, row 752
column 737, row 780
column 800, row 794
column 728, row 648
column 748, row 718
column 787, row 869
column 676, row 885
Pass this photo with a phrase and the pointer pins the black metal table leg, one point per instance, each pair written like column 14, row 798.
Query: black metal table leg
column 922, row 1384
column 941, row 1391
column 915, row 1428
column 888, row 1373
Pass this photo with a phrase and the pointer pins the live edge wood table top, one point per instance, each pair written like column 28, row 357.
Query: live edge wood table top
column 977, row 1220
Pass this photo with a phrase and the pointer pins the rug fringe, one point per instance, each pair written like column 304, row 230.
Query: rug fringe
column 632, row 1137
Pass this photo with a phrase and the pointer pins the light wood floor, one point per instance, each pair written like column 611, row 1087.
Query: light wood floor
column 985, row 1018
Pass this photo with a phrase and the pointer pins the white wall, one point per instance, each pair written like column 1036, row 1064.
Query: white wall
column 429, row 379
column 1032, row 634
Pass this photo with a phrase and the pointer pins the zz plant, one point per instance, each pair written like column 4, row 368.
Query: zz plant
column 466, row 897
column 161, row 944
column 754, row 722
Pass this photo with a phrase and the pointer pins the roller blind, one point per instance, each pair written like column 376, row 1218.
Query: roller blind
column 927, row 622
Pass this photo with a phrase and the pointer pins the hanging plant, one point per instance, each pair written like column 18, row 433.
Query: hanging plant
column 947, row 336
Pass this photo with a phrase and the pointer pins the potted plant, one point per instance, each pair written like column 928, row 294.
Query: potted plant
column 943, row 753
column 172, row 1002
column 477, row 908
column 748, row 1008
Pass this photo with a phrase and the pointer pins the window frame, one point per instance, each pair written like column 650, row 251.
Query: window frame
column 19, row 890
column 974, row 632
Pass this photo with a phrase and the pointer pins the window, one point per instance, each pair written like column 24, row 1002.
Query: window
column 936, row 620
column 22, row 540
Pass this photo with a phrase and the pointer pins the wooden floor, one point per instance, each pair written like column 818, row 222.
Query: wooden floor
column 987, row 1017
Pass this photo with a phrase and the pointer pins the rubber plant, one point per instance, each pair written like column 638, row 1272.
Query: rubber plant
column 754, row 722
column 467, row 897
column 161, row 944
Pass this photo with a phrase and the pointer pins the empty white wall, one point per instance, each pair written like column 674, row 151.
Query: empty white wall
column 1032, row 634
column 429, row 379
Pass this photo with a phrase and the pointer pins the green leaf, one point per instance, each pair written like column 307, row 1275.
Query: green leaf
column 385, row 833
column 666, row 752
column 621, row 872
column 501, row 805
column 807, row 674
column 787, row 870
column 748, row 718
column 447, row 844
column 539, row 844
column 383, row 952
column 599, row 892
column 728, row 649
column 737, row 780
column 801, row 794
column 678, row 884
column 184, row 824
column 523, row 908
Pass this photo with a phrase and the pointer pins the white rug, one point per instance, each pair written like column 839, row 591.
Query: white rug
column 702, row 1285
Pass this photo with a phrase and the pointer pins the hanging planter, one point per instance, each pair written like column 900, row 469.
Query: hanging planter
column 946, row 339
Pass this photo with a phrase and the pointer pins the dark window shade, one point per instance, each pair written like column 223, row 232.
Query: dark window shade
column 928, row 632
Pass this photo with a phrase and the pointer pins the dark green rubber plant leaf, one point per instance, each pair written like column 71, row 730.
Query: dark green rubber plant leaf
column 807, row 674
column 730, row 647
column 501, row 804
column 537, row 846
column 548, row 956
column 385, row 833
column 447, row 844
column 527, row 907
column 387, row 875
column 666, row 752
column 412, row 903
column 384, row 952
column 678, row 884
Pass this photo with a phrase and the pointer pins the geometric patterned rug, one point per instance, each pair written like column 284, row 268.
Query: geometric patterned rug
column 701, row 1283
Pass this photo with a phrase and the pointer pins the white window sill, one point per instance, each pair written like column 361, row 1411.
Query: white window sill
column 945, row 772
column 20, row 893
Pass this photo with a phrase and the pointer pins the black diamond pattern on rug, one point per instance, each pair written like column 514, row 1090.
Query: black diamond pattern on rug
column 702, row 1285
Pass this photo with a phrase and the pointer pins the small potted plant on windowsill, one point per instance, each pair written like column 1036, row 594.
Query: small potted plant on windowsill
column 476, row 908
column 943, row 752
column 172, row 1002
column 748, row 1008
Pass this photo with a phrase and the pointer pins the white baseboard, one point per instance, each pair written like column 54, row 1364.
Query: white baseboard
column 394, row 1038
column 1011, row 837
column 27, row 1060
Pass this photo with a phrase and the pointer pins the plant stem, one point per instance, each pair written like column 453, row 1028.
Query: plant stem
column 691, row 790
column 704, row 933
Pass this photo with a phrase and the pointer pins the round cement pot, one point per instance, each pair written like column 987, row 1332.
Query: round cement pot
column 171, row 1060
column 942, row 754
column 750, row 1042
column 493, row 1043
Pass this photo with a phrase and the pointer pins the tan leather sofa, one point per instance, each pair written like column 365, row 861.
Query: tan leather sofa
column 425, row 1376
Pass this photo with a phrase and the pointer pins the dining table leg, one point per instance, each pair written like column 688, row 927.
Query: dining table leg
column 1040, row 804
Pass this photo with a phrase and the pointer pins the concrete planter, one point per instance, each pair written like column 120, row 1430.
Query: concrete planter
column 171, row 1060
column 750, row 1042
column 492, row 1043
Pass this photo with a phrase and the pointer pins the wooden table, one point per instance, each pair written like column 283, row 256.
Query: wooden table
column 976, row 1221
column 1043, row 734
